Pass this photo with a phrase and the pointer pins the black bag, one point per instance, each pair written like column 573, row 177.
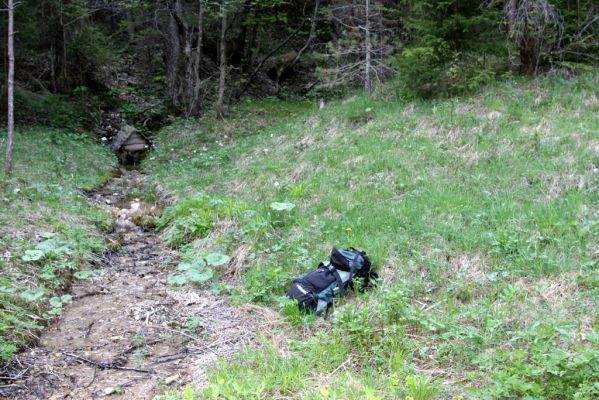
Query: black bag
column 315, row 290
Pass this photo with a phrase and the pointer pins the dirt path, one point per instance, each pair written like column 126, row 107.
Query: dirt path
column 127, row 334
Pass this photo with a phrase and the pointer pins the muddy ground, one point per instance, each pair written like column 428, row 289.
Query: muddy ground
column 127, row 334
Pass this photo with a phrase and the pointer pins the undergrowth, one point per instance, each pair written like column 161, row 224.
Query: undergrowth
column 480, row 213
column 48, row 230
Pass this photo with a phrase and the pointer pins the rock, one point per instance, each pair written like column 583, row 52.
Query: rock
column 171, row 379
column 109, row 390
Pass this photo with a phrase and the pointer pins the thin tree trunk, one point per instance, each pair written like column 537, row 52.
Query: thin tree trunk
column 367, row 50
column 130, row 23
column 220, row 110
column 11, row 83
column 173, row 59
column 64, row 45
column 196, row 83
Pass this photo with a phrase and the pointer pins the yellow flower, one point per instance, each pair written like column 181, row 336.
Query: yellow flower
column 348, row 229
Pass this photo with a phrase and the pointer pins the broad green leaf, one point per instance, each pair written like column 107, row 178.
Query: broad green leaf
column 176, row 279
column 55, row 302
column 32, row 295
column 7, row 290
column 284, row 206
column 199, row 277
column 195, row 264
column 216, row 259
column 66, row 298
column 184, row 266
column 33, row 255
column 54, row 246
column 47, row 235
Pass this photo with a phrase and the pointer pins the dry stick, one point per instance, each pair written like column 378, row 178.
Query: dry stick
column 103, row 365
column 187, row 336
column 343, row 364
column 137, row 346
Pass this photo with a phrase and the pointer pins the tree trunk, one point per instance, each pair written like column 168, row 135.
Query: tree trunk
column 130, row 23
column 172, row 52
column 64, row 46
column 528, row 59
column 11, row 83
column 220, row 108
column 367, row 51
column 195, row 84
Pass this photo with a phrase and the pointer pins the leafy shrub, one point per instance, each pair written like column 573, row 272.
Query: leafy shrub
column 421, row 69
column 434, row 70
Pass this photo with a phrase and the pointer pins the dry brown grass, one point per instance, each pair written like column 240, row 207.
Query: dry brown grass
column 469, row 267
column 238, row 262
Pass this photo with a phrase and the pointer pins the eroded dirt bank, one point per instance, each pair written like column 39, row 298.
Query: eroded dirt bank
column 127, row 334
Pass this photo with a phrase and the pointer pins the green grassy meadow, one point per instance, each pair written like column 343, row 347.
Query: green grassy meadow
column 48, row 229
column 480, row 213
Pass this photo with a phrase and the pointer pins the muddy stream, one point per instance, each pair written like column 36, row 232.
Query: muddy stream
column 127, row 334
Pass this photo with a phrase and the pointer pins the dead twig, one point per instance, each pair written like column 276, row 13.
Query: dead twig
column 196, row 340
column 342, row 365
column 103, row 365
column 137, row 346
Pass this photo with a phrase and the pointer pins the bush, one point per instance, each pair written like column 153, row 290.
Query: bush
column 434, row 70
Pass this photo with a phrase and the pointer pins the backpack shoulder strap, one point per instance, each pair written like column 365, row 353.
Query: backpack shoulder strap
column 336, row 275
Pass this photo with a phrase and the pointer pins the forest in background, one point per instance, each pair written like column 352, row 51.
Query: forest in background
column 151, row 59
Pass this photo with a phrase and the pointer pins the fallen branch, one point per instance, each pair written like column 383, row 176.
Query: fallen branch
column 104, row 365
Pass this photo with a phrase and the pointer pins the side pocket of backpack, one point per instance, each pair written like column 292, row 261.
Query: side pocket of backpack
column 305, row 298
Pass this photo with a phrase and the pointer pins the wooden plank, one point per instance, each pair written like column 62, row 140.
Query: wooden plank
column 135, row 147
column 135, row 141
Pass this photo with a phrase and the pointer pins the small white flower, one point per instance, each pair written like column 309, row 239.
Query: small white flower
column 276, row 184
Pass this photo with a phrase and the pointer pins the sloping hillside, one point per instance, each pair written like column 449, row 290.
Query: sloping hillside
column 481, row 215
column 48, row 230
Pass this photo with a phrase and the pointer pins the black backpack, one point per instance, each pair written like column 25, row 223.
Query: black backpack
column 315, row 290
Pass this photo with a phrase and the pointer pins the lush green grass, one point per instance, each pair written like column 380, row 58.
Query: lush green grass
column 482, row 215
column 48, row 229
